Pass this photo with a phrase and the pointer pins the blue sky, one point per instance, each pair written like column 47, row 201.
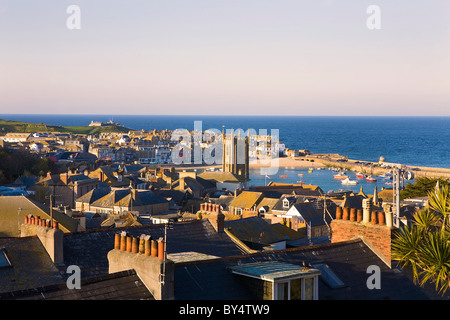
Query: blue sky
column 284, row 57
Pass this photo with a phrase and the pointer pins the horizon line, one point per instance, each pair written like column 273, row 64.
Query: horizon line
column 224, row 115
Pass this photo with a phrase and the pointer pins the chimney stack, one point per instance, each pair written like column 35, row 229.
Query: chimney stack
column 51, row 238
column 147, row 258
column 372, row 227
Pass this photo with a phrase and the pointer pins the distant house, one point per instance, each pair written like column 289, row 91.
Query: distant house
column 304, row 215
column 13, row 137
column 64, row 188
column 123, row 200
column 196, row 186
column 226, row 180
column 246, row 201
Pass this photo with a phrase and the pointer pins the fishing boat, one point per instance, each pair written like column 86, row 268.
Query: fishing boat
column 340, row 176
column 311, row 170
column 300, row 182
column 360, row 175
column 348, row 181
column 283, row 176
column 389, row 183
column 370, row 179
column 300, row 174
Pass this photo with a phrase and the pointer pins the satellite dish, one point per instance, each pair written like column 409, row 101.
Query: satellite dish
column 409, row 175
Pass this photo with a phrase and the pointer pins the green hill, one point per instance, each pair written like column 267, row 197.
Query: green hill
column 19, row 126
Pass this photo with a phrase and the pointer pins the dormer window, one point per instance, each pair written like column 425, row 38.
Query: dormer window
column 275, row 280
column 286, row 203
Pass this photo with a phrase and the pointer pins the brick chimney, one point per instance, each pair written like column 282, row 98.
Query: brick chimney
column 64, row 177
column 50, row 236
column 147, row 257
column 217, row 219
column 375, row 230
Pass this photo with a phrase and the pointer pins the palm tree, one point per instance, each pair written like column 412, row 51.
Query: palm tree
column 425, row 244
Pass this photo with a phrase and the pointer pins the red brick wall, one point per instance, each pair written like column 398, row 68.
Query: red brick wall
column 377, row 237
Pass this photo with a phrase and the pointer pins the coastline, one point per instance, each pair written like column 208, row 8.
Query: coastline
column 350, row 165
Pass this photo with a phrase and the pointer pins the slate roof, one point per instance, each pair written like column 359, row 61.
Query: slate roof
column 212, row 280
column 31, row 265
column 293, row 199
column 125, row 285
column 94, row 195
column 10, row 215
column 89, row 249
column 124, row 198
column 254, row 230
column 246, row 199
column 221, row 176
column 304, row 190
column 311, row 216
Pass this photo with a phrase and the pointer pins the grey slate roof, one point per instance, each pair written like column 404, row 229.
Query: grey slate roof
column 348, row 260
column 31, row 265
column 89, row 249
column 125, row 285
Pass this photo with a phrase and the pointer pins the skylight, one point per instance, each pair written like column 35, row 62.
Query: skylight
column 328, row 276
column 4, row 260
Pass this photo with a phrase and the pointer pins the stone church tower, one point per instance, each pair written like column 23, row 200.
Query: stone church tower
column 235, row 155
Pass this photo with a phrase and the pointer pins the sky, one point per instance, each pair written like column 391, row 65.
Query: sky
column 234, row 57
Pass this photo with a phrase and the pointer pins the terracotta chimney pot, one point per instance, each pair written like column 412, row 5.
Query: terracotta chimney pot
column 129, row 243
column 338, row 213
column 359, row 215
column 161, row 249
column 154, row 250
column 353, row 214
column 374, row 217
column 148, row 249
column 346, row 213
column 123, row 241
column 381, row 218
column 135, row 245
column 117, row 241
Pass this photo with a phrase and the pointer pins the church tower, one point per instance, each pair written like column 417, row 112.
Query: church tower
column 235, row 155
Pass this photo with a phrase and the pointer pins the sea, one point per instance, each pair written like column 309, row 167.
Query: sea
column 418, row 141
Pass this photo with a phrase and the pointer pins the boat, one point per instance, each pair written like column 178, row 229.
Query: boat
column 340, row 176
column 300, row 181
column 283, row 176
column 311, row 170
column 300, row 174
column 370, row 179
column 348, row 181
column 360, row 175
column 389, row 183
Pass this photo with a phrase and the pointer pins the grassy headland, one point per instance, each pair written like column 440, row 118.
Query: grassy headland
column 21, row 127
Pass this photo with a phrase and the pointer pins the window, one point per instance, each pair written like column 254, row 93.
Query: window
column 4, row 260
column 282, row 291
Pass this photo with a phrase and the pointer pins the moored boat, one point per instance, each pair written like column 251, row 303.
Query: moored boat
column 340, row 176
column 360, row 175
column 348, row 181
column 370, row 179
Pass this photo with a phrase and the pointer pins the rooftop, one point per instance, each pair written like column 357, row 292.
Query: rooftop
column 272, row 270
